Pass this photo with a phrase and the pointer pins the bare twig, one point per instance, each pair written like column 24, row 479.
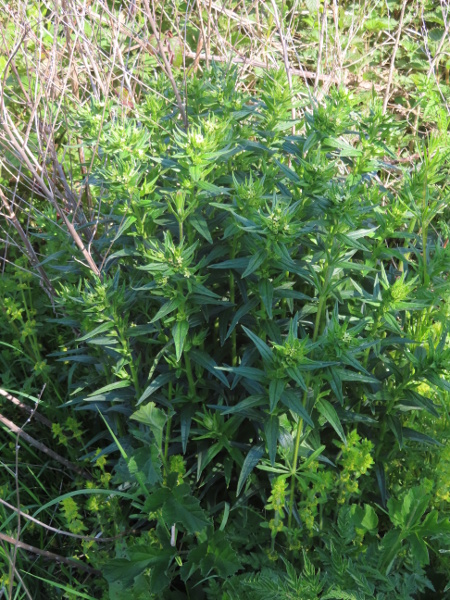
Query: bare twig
column 25, row 408
column 394, row 53
column 167, row 66
column 285, row 59
column 49, row 555
column 85, row 538
column 321, row 38
column 40, row 446
column 12, row 218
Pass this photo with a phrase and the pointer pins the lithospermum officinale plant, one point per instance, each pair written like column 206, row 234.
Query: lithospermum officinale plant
column 270, row 323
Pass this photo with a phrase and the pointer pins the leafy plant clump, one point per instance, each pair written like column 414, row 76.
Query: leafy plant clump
column 261, row 366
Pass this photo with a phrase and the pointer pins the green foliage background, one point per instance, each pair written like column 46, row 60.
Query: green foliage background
column 234, row 335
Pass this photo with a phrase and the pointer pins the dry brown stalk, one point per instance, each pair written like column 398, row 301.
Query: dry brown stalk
column 394, row 53
column 167, row 67
column 85, row 538
column 49, row 555
column 26, row 408
column 285, row 59
column 322, row 23
column 12, row 218
column 43, row 448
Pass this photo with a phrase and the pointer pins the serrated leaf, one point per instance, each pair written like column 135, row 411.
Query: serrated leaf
column 250, row 462
column 154, row 418
column 181, row 507
column 313, row 7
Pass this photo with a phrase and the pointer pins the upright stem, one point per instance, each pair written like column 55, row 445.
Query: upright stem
column 322, row 302
column 426, row 277
column 189, row 374
column 233, row 300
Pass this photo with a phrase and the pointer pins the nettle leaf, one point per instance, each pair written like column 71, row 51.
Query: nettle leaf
column 181, row 507
column 250, row 462
column 154, row 418
column 313, row 7
column 125, row 571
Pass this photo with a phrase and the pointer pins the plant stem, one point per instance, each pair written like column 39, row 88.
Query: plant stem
column 322, row 302
column 189, row 375
column 295, row 461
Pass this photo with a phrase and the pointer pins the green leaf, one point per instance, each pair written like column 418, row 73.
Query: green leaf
column 422, row 438
column 158, row 382
column 154, row 418
column 167, row 308
column 250, row 462
column 125, row 570
column 181, row 507
column 261, row 346
column 265, row 288
column 247, row 372
column 418, row 548
column 276, row 389
column 255, row 262
column 100, row 329
column 112, row 386
column 207, row 362
column 199, row 223
column 327, row 410
column 127, row 223
column 179, row 333
column 271, row 431
column 293, row 401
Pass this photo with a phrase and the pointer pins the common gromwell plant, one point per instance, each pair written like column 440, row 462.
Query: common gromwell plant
column 226, row 300
column 267, row 333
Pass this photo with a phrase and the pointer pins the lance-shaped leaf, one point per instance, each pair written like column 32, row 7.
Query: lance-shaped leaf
column 327, row 410
column 250, row 462
column 261, row 346
column 179, row 333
